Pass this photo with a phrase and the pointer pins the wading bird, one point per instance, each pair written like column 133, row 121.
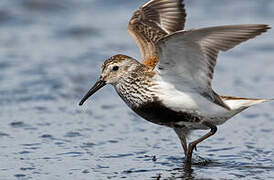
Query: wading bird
column 172, row 84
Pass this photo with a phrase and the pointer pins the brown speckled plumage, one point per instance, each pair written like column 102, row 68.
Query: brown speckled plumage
column 114, row 59
column 153, row 21
column 135, row 87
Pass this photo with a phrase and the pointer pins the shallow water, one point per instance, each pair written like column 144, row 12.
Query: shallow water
column 51, row 52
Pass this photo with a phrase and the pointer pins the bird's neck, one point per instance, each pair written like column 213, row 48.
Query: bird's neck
column 136, row 88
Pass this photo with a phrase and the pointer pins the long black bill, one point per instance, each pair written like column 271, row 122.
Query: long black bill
column 98, row 85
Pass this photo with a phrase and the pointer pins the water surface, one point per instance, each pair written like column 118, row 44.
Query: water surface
column 50, row 55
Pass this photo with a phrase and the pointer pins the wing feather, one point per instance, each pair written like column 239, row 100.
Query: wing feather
column 187, row 58
column 153, row 21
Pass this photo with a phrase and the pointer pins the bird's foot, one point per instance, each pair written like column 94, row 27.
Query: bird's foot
column 200, row 161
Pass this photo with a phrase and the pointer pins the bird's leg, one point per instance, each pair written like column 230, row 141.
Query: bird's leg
column 181, row 133
column 193, row 144
column 183, row 142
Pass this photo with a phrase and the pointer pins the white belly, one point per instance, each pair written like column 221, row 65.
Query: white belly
column 193, row 102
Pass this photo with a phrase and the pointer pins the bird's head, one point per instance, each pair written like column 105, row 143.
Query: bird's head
column 113, row 70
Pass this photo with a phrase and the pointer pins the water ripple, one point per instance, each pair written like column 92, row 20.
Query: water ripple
column 51, row 53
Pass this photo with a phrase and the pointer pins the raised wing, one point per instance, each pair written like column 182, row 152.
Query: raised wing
column 153, row 21
column 187, row 58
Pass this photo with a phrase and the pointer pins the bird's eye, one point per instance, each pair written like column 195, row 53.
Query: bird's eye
column 115, row 68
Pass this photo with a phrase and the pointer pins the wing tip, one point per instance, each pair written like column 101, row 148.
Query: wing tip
column 258, row 27
column 264, row 27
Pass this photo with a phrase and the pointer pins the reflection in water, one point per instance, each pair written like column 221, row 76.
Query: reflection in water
column 232, row 168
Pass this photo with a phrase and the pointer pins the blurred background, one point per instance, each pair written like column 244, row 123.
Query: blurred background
column 50, row 55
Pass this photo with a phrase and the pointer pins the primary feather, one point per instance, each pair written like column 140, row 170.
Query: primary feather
column 155, row 20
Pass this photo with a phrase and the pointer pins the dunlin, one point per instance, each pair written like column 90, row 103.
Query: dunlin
column 172, row 84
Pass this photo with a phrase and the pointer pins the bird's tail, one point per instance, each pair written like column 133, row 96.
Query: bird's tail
column 238, row 103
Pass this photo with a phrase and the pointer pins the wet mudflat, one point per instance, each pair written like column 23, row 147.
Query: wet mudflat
column 50, row 55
